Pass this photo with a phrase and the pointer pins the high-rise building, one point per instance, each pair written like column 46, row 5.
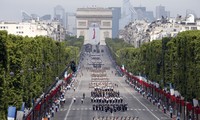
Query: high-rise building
column 71, row 23
column 46, row 17
column 150, row 16
column 126, row 8
column 127, row 14
column 160, row 12
column 59, row 15
column 35, row 17
column 116, row 15
column 26, row 16
column 131, row 13
column 142, row 14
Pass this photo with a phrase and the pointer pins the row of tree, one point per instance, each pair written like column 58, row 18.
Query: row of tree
column 29, row 66
column 173, row 61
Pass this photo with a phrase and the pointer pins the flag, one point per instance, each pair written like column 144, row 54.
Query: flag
column 93, row 33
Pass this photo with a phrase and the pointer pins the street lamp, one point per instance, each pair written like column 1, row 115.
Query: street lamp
column 21, row 71
column 12, row 74
column 34, row 69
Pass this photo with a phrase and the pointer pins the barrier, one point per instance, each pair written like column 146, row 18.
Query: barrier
column 177, row 103
column 43, row 105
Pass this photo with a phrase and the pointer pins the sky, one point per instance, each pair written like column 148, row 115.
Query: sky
column 10, row 10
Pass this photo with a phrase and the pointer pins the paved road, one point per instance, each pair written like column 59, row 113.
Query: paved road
column 137, row 105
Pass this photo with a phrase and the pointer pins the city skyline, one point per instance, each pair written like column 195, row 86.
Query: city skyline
column 11, row 10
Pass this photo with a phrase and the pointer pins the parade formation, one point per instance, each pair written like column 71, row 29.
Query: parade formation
column 104, row 96
column 98, row 91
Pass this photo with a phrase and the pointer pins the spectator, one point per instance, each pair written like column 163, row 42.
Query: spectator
column 178, row 116
column 74, row 99
column 52, row 112
column 158, row 105
column 171, row 111
column 164, row 109
column 49, row 116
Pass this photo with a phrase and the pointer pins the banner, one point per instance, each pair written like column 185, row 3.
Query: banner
column 11, row 113
column 93, row 33
column 195, row 102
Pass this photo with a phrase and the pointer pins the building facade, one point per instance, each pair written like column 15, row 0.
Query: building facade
column 139, row 32
column 95, row 24
column 34, row 28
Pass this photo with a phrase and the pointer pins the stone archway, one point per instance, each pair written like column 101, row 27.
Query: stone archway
column 95, row 24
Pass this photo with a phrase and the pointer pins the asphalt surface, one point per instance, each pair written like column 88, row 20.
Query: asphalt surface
column 138, row 106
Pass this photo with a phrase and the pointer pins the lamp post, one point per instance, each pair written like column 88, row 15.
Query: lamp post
column 12, row 74
column 58, row 58
column 163, row 62
column 150, row 73
column 44, row 87
column 31, row 96
column 163, row 69
column 185, row 76
column 29, row 79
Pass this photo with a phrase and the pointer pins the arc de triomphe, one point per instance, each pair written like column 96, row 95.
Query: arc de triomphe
column 95, row 24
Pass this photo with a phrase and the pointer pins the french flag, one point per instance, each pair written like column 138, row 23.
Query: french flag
column 93, row 33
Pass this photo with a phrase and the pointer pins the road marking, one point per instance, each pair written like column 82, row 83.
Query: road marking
column 71, row 104
column 62, row 109
column 81, row 115
column 139, row 109
column 139, row 101
column 68, row 110
column 165, row 118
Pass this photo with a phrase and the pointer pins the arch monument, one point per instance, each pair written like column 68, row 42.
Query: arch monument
column 95, row 24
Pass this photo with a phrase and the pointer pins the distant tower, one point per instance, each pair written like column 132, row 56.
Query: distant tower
column 127, row 14
column 160, row 11
column 46, row 17
column 25, row 16
column 126, row 8
column 59, row 15
column 71, row 23
column 116, row 15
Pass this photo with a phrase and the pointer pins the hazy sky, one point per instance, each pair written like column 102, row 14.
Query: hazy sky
column 11, row 9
